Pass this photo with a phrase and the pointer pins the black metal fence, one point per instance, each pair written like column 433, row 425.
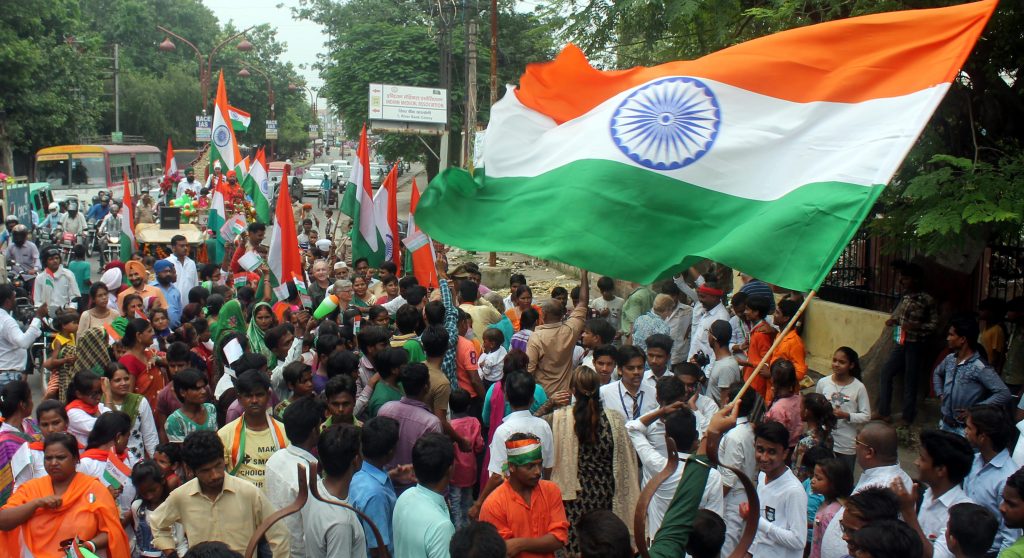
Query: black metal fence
column 1003, row 276
column 864, row 276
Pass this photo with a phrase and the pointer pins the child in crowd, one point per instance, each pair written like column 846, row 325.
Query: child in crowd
column 739, row 339
column 786, row 407
column 491, row 363
column 203, row 346
column 151, row 485
column 761, row 336
column 527, row 322
column 608, row 306
column 195, row 412
column 62, row 355
column 298, row 376
column 161, row 322
column 833, row 481
column 387, row 389
column 596, row 332
column 51, row 418
column 782, row 524
column 659, row 350
column 466, row 367
column 340, row 395
column 804, row 474
column 168, row 457
column 971, row 530
column 819, row 423
column 849, row 399
column 177, row 358
column 464, row 475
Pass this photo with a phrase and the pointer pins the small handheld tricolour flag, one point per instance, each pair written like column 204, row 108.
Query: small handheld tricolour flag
column 765, row 156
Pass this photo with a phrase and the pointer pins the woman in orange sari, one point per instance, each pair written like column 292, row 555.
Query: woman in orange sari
column 522, row 299
column 141, row 362
column 45, row 513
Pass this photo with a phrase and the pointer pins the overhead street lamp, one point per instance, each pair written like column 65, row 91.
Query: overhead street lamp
column 314, row 95
column 244, row 72
column 205, row 61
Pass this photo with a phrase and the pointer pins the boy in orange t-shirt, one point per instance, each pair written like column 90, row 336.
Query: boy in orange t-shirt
column 761, row 336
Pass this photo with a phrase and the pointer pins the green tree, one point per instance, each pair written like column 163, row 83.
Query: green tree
column 49, row 83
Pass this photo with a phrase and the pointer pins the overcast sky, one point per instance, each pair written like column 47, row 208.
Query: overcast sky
column 303, row 39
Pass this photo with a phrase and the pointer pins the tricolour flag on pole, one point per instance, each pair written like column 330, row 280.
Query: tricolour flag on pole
column 171, row 166
column 385, row 216
column 284, row 259
column 218, row 216
column 127, row 215
column 259, row 181
column 765, row 156
column 224, row 147
column 239, row 119
column 358, row 204
column 420, row 252
column 117, row 473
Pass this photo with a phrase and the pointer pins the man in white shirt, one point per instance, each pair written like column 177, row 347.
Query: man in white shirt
column 56, row 286
column 944, row 460
column 630, row 395
column 877, row 447
column 608, row 306
column 302, row 421
column 736, row 449
column 514, row 282
column 707, row 309
column 188, row 183
column 14, row 343
column 681, row 425
column 184, row 266
column 782, row 517
column 705, row 407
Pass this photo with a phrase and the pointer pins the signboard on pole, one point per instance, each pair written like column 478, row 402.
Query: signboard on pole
column 204, row 128
column 16, row 198
column 398, row 103
column 314, row 131
column 271, row 129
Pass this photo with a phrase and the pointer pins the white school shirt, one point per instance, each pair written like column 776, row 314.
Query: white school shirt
column 736, row 450
column 80, row 423
column 615, row 396
column 491, row 365
column 852, row 399
column 782, row 526
column 653, row 462
column 526, row 423
column 14, row 343
column 934, row 513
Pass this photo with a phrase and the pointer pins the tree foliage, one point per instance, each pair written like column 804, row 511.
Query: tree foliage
column 56, row 57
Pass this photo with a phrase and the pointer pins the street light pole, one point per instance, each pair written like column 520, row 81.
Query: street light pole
column 313, row 100
column 270, row 95
column 205, row 61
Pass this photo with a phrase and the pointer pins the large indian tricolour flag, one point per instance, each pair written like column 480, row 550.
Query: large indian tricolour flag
column 224, row 146
column 765, row 156
column 358, row 204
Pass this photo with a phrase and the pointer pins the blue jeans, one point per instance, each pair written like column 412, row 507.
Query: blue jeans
column 462, row 500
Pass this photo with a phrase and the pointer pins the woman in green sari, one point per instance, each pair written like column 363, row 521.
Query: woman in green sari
column 262, row 319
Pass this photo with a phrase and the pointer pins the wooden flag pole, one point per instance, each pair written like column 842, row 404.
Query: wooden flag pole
column 775, row 344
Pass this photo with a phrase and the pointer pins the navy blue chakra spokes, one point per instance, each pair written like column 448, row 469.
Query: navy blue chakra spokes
column 667, row 124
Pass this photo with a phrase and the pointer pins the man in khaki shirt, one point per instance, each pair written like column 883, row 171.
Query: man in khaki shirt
column 481, row 311
column 550, row 348
column 214, row 506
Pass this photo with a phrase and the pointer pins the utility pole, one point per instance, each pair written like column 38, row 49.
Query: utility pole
column 492, row 259
column 470, row 121
column 117, row 88
column 445, row 70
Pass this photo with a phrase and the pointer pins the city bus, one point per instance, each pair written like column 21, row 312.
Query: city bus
column 82, row 171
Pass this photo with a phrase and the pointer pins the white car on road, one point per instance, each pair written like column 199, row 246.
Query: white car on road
column 312, row 182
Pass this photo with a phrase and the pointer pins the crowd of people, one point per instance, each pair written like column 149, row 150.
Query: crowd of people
column 451, row 421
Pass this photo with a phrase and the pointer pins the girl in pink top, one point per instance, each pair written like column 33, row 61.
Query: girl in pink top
column 833, row 479
column 786, row 407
